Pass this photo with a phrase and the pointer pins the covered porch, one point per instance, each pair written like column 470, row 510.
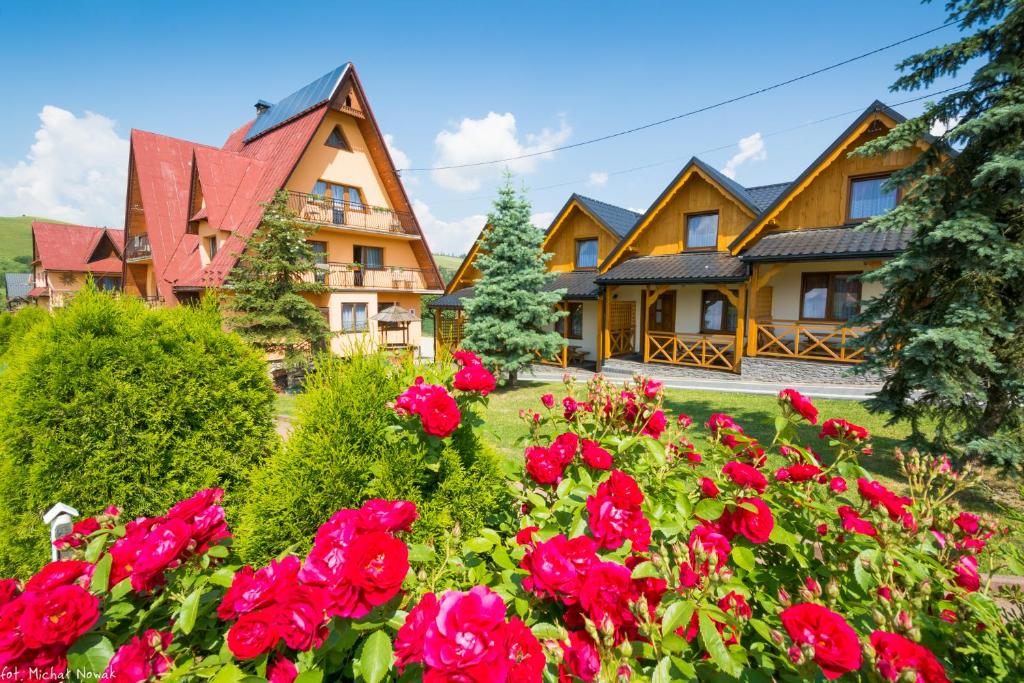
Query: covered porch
column 805, row 287
column 688, row 308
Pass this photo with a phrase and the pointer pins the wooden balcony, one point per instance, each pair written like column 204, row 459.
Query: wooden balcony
column 798, row 339
column 343, row 214
column 354, row 276
column 137, row 247
column 710, row 351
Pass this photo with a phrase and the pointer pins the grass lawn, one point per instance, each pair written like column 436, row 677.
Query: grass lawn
column 286, row 405
column 756, row 414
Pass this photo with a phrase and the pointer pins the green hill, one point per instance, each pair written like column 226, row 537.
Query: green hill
column 447, row 265
column 15, row 245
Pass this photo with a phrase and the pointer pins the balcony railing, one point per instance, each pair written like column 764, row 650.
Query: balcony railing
column 808, row 340
column 711, row 351
column 327, row 211
column 351, row 275
column 137, row 247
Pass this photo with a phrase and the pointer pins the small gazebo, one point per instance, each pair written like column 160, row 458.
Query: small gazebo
column 392, row 319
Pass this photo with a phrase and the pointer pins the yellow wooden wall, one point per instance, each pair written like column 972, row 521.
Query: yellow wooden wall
column 665, row 233
column 823, row 203
column 576, row 225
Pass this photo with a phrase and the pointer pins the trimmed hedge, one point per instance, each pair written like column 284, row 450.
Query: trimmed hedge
column 14, row 326
column 109, row 402
column 345, row 449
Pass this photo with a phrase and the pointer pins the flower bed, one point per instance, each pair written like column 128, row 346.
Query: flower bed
column 644, row 547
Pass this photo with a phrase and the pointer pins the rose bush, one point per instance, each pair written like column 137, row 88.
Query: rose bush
column 642, row 548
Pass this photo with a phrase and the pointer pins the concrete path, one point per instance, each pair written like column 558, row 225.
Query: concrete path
column 834, row 391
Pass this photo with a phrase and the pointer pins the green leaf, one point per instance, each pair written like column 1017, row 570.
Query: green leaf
column 478, row 545
column 677, row 614
column 709, row 509
column 712, row 640
column 189, row 610
column 743, row 557
column 546, row 631
column 90, row 655
column 375, row 661
column 662, row 672
column 420, row 553
column 218, row 551
column 95, row 547
column 229, row 673
column 101, row 574
column 645, row 570
column 310, row 677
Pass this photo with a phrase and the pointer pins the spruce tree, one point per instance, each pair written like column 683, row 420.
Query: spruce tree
column 510, row 318
column 272, row 274
column 951, row 330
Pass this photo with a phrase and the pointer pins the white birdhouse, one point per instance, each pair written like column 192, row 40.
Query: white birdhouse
column 60, row 519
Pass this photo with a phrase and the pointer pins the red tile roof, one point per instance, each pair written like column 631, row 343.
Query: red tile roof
column 63, row 247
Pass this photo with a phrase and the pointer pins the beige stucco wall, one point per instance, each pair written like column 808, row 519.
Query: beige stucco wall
column 340, row 247
column 786, row 284
column 345, row 344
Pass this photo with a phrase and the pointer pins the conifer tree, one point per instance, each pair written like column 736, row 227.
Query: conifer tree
column 951, row 336
column 273, row 272
column 511, row 318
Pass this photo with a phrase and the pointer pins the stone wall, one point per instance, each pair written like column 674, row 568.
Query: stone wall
column 759, row 369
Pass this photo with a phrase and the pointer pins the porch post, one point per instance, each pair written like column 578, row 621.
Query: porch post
column 600, row 327
column 754, row 286
column 648, row 301
column 741, row 315
column 437, row 334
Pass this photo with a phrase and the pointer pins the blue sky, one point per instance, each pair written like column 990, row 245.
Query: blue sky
column 448, row 82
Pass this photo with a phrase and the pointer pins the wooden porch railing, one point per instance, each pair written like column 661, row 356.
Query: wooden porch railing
column 620, row 342
column 327, row 211
column 350, row 275
column 808, row 340
column 560, row 359
column 712, row 351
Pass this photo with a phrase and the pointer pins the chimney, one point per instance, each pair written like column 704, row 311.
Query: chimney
column 262, row 106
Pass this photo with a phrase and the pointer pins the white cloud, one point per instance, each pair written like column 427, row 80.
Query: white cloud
column 75, row 171
column 492, row 137
column 942, row 126
column 543, row 219
column 598, row 179
column 448, row 237
column 400, row 158
column 751, row 148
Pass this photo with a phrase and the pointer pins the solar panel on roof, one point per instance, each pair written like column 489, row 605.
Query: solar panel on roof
column 302, row 100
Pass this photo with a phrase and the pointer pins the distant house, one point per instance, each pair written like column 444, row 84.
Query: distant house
column 714, row 276
column 191, row 208
column 64, row 256
column 17, row 286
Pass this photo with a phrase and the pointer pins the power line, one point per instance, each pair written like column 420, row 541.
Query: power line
column 692, row 112
column 719, row 148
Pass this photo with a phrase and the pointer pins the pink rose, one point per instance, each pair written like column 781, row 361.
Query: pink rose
column 595, row 456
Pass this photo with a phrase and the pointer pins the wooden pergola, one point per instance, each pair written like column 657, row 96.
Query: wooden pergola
column 394, row 318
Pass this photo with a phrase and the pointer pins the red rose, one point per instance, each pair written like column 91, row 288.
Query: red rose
column 615, row 515
column 254, row 590
column 800, row 404
column 564, row 447
column 655, row 425
column 526, row 659
column 708, row 488
column 466, row 641
column 837, row 484
column 163, row 548
column 466, row 358
column 439, row 413
column 853, row 522
column 710, row 544
column 720, row 421
column 835, row 643
column 967, row 573
column 609, row 593
column 755, row 526
column 745, row 476
column 548, row 400
column 684, row 421
column 475, row 378
column 253, row 634
column 876, row 494
column 58, row 616
column 543, row 466
column 525, row 535
column 410, row 637
column 843, row 431
column 896, row 654
column 299, row 618
column 281, row 670
column 652, row 388
column 595, row 456
column 968, row 523
column 61, row 573
column 375, row 566
column 800, row 472
column 140, row 659
column 570, row 407
column 387, row 515
column 579, row 658
column 557, row 566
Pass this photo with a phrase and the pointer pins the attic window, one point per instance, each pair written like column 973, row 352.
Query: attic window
column 337, row 140
column 348, row 101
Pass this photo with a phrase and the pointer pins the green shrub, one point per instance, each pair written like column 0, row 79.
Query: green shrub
column 14, row 326
column 344, row 450
column 111, row 402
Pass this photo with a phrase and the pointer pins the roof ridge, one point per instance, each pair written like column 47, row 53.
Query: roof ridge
column 761, row 187
column 171, row 137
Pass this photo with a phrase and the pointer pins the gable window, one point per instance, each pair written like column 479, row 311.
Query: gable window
column 830, row 296
column 586, row 254
column 702, row 230
column 573, row 323
column 211, row 246
column 353, row 318
column 337, row 140
column 717, row 314
column 868, row 198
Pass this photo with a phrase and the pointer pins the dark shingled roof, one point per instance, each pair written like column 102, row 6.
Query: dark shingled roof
column 698, row 266
column 577, row 285
column 615, row 218
column 827, row 243
column 17, row 285
column 764, row 195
